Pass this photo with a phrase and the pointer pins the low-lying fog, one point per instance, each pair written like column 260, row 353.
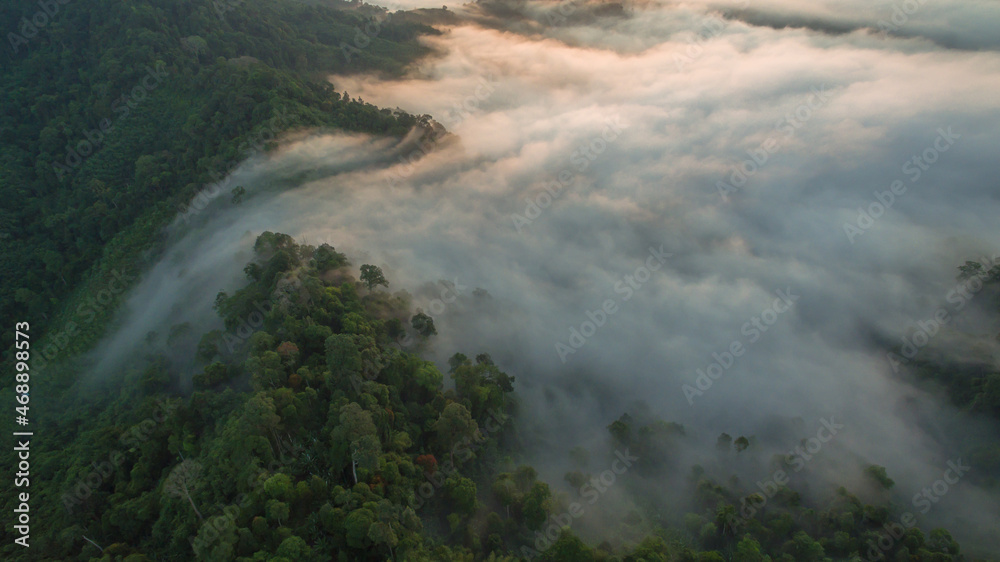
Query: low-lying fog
column 788, row 183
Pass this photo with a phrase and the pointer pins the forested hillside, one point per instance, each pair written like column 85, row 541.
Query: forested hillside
column 116, row 113
column 971, row 382
column 311, row 435
column 303, row 430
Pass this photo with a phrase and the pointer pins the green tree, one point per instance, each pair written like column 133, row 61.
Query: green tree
column 462, row 491
column 803, row 548
column 294, row 548
column 371, row 276
column 326, row 258
column 568, row 548
column 267, row 371
column 381, row 533
column 748, row 550
column 181, row 479
column 453, row 425
column 358, row 430
column 621, row 429
column 878, row 475
column 537, row 503
column 423, row 324
column 276, row 511
column 342, row 356
column 356, row 527
column 724, row 443
column 279, row 487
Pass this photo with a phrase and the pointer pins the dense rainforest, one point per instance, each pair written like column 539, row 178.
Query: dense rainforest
column 116, row 114
column 307, row 433
column 302, row 430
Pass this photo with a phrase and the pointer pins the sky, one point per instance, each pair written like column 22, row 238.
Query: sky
column 782, row 190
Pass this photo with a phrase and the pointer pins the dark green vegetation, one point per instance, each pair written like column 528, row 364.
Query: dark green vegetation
column 969, row 377
column 302, row 431
column 117, row 113
column 304, row 437
column 972, row 385
column 310, row 435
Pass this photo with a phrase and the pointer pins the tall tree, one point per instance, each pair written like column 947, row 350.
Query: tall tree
column 371, row 276
column 453, row 425
column 358, row 430
column 180, row 480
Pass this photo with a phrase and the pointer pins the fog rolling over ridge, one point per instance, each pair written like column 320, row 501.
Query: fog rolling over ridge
column 648, row 193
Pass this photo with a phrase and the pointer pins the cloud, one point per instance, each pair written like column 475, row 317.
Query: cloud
column 685, row 128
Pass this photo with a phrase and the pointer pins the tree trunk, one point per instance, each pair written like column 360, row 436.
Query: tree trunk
column 93, row 543
column 188, row 496
column 275, row 435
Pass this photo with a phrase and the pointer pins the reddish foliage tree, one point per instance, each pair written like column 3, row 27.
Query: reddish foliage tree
column 428, row 462
column 288, row 349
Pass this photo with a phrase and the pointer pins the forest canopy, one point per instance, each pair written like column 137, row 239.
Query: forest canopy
column 301, row 428
column 116, row 114
column 316, row 436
